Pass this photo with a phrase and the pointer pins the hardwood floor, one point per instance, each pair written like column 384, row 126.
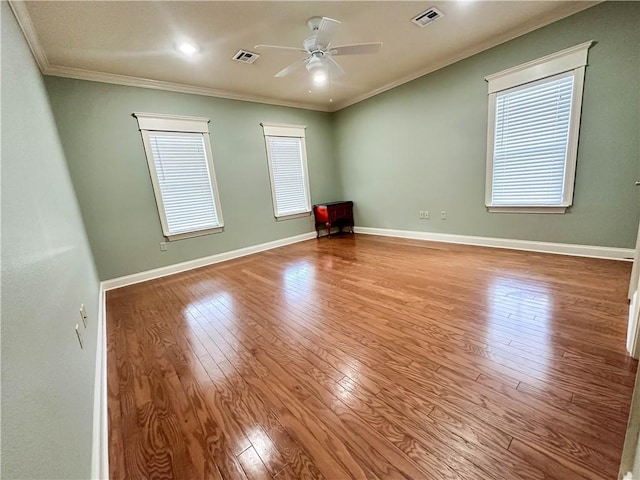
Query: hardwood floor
column 368, row 357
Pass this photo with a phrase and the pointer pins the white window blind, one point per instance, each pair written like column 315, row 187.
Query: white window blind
column 533, row 129
column 287, row 166
column 531, row 143
column 182, row 175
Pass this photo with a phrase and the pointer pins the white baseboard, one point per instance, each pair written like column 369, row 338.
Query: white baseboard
column 100, row 446
column 609, row 253
column 633, row 333
column 201, row 262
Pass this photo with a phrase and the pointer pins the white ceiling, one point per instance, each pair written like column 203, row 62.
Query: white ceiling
column 133, row 42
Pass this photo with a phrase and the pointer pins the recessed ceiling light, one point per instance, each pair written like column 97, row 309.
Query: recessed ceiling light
column 187, row 48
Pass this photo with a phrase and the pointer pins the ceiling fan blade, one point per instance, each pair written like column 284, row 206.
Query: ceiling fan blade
column 335, row 70
column 291, row 68
column 279, row 47
column 327, row 28
column 357, row 49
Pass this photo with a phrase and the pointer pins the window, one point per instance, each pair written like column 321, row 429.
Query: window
column 287, row 156
column 181, row 166
column 534, row 122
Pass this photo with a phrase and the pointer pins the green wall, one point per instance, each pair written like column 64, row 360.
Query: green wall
column 109, row 170
column 422, row 146
column 47, row 272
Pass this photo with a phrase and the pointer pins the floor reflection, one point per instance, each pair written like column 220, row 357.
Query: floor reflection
column 519, row 305
column 298, row 282
column 263, row 444
column 346, row 389
column 211, row 316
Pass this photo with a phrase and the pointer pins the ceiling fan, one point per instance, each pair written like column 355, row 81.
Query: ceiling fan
column 319, row 52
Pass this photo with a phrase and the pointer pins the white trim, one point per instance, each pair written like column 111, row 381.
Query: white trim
column 202, row 262
column 610, row 253
column 633, row 329
column 633, row 332
column 559, row 62
column 100, row 444
column 194, row 233
column 171, row 123
column 283, row 130
column 635, row 274
column 574, row 136
column 293, row 215
column 29, row 31
column 540, row 209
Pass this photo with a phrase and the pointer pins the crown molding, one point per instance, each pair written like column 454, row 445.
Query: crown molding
column 469, row 52
column 80, row 74
column 19, row 9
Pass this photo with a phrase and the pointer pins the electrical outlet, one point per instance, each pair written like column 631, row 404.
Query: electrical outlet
column 427, row 216
column 163, row 246
column 83, row 315
column 79, row 335
column 443, row 215
column 421, row 213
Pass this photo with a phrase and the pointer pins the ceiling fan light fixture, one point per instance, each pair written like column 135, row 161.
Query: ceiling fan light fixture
column 319, row 51
column 318, row 70
column 319, row 77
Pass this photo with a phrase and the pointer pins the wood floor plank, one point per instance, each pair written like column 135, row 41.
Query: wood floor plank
column 551, row 464
column 372, row 358
column 298, row 461
column 260, row 441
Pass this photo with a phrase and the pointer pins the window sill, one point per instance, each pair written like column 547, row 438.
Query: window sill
column 293, row 215
column 527, row 209
column 197, row 233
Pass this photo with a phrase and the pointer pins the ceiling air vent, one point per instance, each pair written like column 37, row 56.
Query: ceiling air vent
column 245, row 57
column 425, row 18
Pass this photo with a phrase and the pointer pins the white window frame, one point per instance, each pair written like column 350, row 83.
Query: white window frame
column 573, row 59
column 294, row 131
column 148, row 122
